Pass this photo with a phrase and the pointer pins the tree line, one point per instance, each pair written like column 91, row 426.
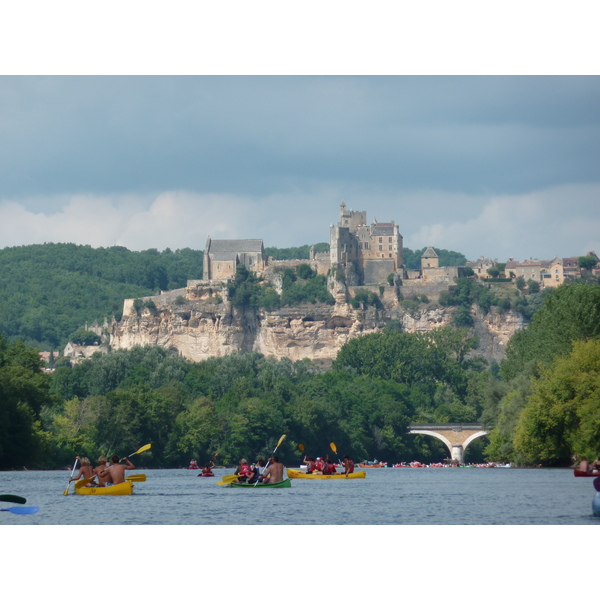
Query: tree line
column 542, row 404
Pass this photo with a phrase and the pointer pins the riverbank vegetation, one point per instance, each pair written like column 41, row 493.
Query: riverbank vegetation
column 541, row 404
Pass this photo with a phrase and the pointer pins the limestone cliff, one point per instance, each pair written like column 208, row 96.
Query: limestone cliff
column 199, row 322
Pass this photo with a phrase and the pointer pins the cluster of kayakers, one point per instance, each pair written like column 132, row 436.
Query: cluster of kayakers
column 260, row 471
column 105, row 473
column 325, row 466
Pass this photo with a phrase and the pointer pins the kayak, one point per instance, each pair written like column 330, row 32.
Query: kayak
column 286, row 483
column 206, row 474
column 373, row 466
column 297, row 474
column 120, row 489
column 579, row 473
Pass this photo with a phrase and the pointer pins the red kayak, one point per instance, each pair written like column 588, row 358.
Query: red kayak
column 579, row 473
column 206, row 474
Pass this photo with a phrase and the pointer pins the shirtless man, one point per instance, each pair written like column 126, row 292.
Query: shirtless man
column 117, row 471
column 102, row 465
column 85, row 471
column 273, row 473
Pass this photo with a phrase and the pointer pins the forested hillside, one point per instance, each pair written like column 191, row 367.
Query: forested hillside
column 48, row 291
column 544, row 408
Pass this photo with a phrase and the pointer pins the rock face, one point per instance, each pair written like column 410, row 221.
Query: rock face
column 199, row 322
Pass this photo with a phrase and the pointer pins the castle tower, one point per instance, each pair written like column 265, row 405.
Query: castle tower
column 430, row 259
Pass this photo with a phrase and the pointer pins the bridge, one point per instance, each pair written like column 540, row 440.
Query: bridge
column 456, row 436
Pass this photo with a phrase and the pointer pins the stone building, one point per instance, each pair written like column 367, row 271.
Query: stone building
column 222, row 257
column 481, row 265
column 368, row 254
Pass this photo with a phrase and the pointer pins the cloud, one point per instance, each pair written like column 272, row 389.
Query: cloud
column 561, row 221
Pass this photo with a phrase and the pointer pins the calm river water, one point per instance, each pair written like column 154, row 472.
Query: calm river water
column 464, row 496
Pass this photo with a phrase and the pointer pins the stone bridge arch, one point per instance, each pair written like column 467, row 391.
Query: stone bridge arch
column 456, row 436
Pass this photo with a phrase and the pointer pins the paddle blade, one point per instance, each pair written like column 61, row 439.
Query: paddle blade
column 228, row 479
column 22, row 510
column 12, row 498
column 138, row 477
column 83, row 482
column 143, row 449
column 301, row 447
column 332, row 446
column 280, row 441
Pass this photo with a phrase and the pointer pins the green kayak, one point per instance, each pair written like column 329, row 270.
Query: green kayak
column 286, row 483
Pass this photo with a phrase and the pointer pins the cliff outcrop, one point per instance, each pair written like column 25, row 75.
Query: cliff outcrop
column 199, row 323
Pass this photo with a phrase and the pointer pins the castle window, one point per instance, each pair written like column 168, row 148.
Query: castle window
column 380, row 240
column 389, row 248
column 380, row 247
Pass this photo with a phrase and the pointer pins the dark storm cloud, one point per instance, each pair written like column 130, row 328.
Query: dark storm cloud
column 257, row 135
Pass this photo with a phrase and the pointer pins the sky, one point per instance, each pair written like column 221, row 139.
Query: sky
column 494, row 166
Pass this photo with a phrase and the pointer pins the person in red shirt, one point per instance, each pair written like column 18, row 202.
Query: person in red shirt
column 348, row 465
column 310, row 464
column 329, row 467
column 244, row 471
column 319, row 464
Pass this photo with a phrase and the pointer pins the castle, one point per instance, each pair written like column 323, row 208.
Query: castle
column 364, row 254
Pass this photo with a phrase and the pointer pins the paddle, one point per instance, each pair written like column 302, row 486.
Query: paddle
column 11, row 498
column 22, row 510
column 278, row 444
column 136, row 478
column 227, row 479
column 66, row 492
column 333, row 447
column 83, row 482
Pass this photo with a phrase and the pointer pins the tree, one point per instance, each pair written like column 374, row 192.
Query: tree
column 562, row 416
column 587, row 262
column 569, row 313
column 84, row 337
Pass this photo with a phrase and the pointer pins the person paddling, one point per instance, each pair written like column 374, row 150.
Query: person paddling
column 274, row 472
column 103, row 464
column 243, row 471
column 117, row 470
column 348, row 465
column 310, row 464
column 85, row 471
column 208, row 467
column 329, row 467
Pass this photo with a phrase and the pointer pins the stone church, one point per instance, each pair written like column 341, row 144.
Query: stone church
column 221, row 258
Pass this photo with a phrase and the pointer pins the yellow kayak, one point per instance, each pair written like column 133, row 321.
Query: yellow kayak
column 299, row 474
column 121, row 489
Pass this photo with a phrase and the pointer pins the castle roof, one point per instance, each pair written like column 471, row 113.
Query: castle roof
column 229, row 249
column 382, row 229
column 430, row 253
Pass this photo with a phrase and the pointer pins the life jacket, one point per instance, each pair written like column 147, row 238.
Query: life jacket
column 245, row 470
column 311, row 466
column 319, row 465
column 254, row 473
column 349, row 466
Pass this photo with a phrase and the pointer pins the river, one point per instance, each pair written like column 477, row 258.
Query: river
column 387, row 546
column 463, row 496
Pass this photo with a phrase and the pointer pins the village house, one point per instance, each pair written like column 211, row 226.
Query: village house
column 481, row 265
